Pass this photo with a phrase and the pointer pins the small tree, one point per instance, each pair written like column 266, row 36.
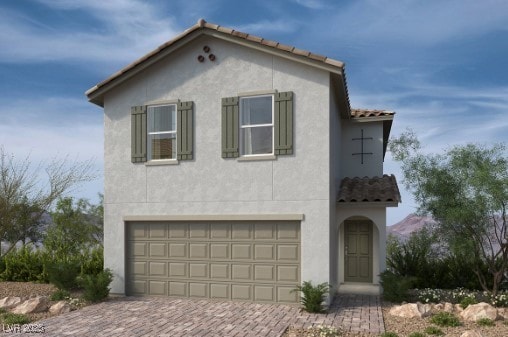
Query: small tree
column 25, row 197
column 466, row 191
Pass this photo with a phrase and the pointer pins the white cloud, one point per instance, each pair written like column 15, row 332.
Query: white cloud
column 312, row 4
column 265, row 26
column 128, row 29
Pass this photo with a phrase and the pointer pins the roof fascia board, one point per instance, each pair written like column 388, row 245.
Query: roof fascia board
column 274, row 51
column 362, row 204
column 371, row 119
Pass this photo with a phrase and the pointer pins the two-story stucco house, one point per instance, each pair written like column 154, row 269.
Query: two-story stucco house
column 235, row 169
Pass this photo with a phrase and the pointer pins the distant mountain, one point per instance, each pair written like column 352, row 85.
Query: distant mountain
column 410, row 224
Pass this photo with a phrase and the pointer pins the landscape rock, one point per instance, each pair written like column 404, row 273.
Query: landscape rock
column 458, row 308
column 472, row 333
column 33, row 305
column 59, row 307
column 411, row 310
column 9, row 302
column 448, row 307
column 475, row 312
column 502, row 313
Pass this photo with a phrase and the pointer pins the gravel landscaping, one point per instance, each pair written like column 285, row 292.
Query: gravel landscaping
column 402, row 326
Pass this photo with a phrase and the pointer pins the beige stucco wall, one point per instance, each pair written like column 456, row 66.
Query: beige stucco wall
column 209, row 184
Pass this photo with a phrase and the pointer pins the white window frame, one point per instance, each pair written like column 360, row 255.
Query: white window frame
column 149, row 143
column 256, row 125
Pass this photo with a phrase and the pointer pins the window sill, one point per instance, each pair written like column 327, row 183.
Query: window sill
column 162, row 162
column 256, row 158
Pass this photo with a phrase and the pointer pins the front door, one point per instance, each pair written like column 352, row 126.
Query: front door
column 358, row 251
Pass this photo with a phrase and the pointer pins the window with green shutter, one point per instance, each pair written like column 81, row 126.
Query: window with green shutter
column 162, row 132
column 257, row 125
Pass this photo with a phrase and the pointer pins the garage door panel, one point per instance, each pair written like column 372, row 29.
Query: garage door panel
column 241, row 272
column 241, row 232
column 198, row 231
column 177, row 231
column 177, row 269
column 219, row 290
column 241, row 251
column 176, row 288
column 264, row 273
column 219, row 251
column 219, row 271
column 198, row 251
column 177, row 250
column 264, row 293
column 157, row 288
column 241, row 292
column 198, row 289
column 264, row 252
column 157, row 249
column 198, row 270
column 246, row 261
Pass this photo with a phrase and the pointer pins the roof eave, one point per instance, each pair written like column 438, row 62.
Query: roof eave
column 366, row 204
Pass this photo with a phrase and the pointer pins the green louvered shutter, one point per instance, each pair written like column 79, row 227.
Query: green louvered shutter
column 230, row 127
column 138, row 134
column 185, row 131
column 283, row 123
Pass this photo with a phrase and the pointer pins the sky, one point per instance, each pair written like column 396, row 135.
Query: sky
column 442, row 66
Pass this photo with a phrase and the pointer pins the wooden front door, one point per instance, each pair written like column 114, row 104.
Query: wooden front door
column 358, row 251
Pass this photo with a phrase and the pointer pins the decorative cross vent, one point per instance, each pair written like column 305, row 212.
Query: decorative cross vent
column 362, row 153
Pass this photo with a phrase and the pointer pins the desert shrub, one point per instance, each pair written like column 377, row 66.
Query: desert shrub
column 395, row 287
column 445, row 319
column 467, row 301
column 60, row 295
column 9, row 318
column 96, row 287
column 63, row 274
column 23, row 265
column 434, row 330
column 312, row 296
column 485, row 322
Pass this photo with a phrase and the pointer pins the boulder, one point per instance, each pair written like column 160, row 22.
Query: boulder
column 458, row 308
column 472, row 333
column 32, row 305
column 411, row 310
column 502, row 313
column 448, row 307
column 475, row 312
column 59, row 307
column 9, row 302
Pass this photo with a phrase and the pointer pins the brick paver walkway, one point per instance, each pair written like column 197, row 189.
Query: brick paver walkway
column 131, row 316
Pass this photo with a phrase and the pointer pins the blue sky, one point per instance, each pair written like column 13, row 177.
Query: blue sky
column 441, row 65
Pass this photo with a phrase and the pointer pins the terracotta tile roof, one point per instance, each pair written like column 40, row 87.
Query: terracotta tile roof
column 359, row 113
column 202, row 24
column 369, row 189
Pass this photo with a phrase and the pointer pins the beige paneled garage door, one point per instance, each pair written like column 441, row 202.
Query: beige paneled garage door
column 248, row 261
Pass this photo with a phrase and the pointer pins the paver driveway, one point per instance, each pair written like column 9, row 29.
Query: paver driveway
column 134, row 316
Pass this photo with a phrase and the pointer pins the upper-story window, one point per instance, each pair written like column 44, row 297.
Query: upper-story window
column 256, row 125
column 161, row 132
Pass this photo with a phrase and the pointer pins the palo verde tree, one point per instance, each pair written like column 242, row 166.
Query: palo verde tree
column 466, row 190
column 25, row 197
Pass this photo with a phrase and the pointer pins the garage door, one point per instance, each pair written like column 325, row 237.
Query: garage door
column 247, row 261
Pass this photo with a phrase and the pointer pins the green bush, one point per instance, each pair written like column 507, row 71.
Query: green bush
column 434, row 330
column 60, row 295
column 445, row 319
column 96, row 287
column 467, row 301
column 313, row 296
column 485, row 322
column 63, row 274
column 10, row 318
column 395, row 287
column 23, row 265
column 93, row 262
